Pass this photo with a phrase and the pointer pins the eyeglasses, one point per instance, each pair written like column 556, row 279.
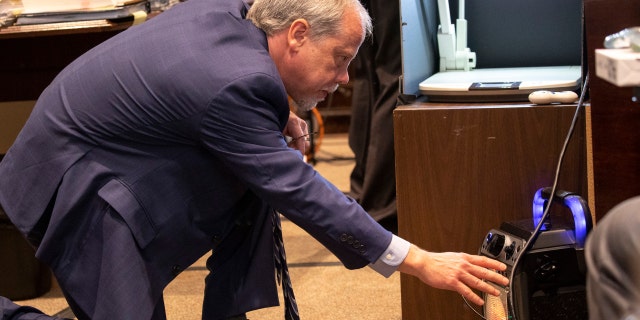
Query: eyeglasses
column 304, row 136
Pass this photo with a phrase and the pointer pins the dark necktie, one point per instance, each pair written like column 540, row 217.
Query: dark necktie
column 282, row 272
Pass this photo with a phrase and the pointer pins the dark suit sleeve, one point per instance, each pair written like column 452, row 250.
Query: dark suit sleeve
column 243, row 127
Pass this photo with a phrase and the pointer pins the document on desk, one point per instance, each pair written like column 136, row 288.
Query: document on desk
column 41, row 6
column 115, row 10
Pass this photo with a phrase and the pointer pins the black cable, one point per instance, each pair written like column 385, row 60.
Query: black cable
column 536, row 231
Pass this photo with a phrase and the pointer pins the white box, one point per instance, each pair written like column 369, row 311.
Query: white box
column 618, row 66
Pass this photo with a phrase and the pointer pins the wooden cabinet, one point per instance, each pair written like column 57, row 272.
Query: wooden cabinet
column 615, row 118
column 462, row 170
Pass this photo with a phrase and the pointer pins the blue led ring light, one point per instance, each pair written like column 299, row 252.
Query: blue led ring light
column 577, row 205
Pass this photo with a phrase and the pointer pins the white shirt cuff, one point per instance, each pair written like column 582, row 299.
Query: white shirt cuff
column 391, row 258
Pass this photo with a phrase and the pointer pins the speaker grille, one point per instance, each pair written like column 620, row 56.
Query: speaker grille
column 495, row 307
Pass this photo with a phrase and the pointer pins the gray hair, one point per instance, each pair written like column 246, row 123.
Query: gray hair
column 324, row 16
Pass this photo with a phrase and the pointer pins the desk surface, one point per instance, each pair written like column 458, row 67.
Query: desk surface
column 468, row 105
column 65, row 28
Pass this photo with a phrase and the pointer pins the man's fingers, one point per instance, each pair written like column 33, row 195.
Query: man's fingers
column 487, row 262
column 470, row 282
column 481, row 273
column 460, row 272
column 470, row 295
column 490, row 275
column 479, row 284
column 484, row 269
column 300, row 143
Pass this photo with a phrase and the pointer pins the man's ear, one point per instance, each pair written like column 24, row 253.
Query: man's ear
column 298, row 33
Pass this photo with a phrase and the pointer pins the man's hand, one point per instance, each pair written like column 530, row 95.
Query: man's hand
column 297, row 129
column 459, row 272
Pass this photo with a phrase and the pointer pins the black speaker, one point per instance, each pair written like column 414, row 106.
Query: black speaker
column 547, row 267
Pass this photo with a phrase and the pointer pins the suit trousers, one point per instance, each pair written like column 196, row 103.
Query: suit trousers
column 241, row 271
column 104, row 280
column 108, row 290
column 109, row 251
column 377, row 69
column 241, row 268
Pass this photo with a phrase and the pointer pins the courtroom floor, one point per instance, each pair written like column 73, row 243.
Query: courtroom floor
column 323, row 287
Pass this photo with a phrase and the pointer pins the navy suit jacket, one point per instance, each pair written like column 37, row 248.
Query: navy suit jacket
column 171, row 122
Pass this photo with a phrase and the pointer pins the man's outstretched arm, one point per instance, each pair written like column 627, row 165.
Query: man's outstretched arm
column 455, row 271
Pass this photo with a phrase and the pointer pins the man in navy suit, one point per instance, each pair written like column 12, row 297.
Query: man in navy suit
column 169, row 140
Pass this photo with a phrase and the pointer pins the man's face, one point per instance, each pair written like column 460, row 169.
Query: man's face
column 321, row 64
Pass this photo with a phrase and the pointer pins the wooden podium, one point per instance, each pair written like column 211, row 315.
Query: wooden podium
column 463, row 170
